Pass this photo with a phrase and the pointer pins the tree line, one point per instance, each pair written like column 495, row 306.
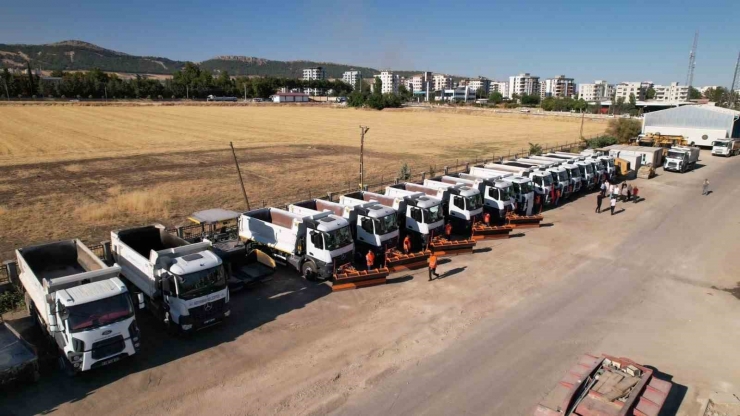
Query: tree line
column 190, row 82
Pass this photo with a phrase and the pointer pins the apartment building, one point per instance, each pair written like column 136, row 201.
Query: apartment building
column 351, row 77
column 600, row 90
column 442, row 82
column 419, row 82
column 560, row 87
column 313, row 74
column 480, row 83
column 672, row 92
column 389, row 82
column 501, row 87
column 624, row 89
column 524, row 84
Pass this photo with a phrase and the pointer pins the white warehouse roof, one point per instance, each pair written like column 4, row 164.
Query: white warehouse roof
column 696, row 117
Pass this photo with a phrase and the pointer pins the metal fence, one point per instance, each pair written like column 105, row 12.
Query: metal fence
column 4, row 277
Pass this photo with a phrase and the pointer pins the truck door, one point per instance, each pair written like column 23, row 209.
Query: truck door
column 315, row 244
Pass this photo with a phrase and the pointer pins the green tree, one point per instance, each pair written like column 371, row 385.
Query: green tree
column 378, row 86
column 623, row 129
column 694, row 94
column 495, row 97
column 31, row 83
column 633, row 101
column 530, row 99
column 535, row 149
column 404, row 173
column 404, row 92
column 650, row 93
column 480, row 93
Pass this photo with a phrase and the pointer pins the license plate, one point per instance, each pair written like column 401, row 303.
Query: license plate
column 110, row 360
column 209, row 321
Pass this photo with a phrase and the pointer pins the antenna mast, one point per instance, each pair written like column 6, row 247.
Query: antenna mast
column 735, row 81
column 692, row 62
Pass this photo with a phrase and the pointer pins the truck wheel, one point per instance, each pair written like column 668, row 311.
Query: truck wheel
column 309, row 271
column 65, row 365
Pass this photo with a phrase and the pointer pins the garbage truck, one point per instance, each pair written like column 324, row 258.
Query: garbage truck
column 184, row 284
column 80, row 304
column 681, row 158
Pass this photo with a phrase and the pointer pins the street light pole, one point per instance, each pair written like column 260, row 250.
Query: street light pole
column 363, row 130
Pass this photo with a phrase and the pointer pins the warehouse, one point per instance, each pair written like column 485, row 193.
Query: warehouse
column 699, row 124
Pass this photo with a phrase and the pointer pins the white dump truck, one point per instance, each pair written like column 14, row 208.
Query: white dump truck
column 588, row 173
column 726, row 147
column 599, row 168
column 419, row 216
column 184, row 284
column 574, row 173
column 317, row 245
column 374, row 226
column 541, row 179
column 560, row 177
column 462, row 205
column 79, row 303
column 495, row 192
column 681, row 158
column 522, row 190
column 607, row 161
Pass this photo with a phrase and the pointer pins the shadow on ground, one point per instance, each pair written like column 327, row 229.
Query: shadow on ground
column 676, row 395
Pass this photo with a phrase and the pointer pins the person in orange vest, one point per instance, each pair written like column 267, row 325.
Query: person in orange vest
column 407, row 245
column 487, row 218
column 432, row 267
column 370, row 258
column 448, row 231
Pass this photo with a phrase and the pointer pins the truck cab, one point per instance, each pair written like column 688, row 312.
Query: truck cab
column 560, row 178
column 522, row 189
column 80, row 304
column 541, row 179
column 681, row 158
column 495, row 192
column 423, row 216
column 726, row 147
column 463, row 204
column 576, row 173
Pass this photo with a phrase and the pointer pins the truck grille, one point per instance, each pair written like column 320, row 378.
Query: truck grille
column 108, row 347
column 389, row 244
column 342, row 259
column 208, row 311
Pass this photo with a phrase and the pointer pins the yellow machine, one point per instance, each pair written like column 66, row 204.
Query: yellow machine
column 659, row 140
column 622, row 166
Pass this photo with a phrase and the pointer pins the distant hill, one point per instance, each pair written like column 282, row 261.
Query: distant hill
column 74, row 55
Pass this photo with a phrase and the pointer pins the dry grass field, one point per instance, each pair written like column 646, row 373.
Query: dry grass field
column 77, row 171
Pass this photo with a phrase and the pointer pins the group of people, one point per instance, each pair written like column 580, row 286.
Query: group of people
column 626, row 192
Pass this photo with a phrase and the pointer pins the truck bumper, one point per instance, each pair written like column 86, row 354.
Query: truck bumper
column 89, row 363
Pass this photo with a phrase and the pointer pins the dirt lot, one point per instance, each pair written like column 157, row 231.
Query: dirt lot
column 655, row 283
column 79, row 171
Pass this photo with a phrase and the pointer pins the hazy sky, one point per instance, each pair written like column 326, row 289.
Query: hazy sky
column 615, row 40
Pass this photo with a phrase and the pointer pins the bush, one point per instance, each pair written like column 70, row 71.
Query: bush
column 535, row 149
column 600, row 141
column 404, row 173
column 623, row 129
column 11, row 300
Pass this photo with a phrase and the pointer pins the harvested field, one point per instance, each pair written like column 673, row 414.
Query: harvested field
column 77, row 171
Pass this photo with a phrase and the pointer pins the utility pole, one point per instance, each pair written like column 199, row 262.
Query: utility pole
column 583, row 116
column 363, row 130
column 239, row 171
column 692, row 63
column 187, row 92
column 7, row 94
column 245, row 92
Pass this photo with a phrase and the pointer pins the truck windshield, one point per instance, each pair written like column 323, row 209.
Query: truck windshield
column 516, row 188
column 200, row 283
column 473, row 202
column 720, row 144
column 100, row 312
column 387, row 224
column 338, row 238
column 527, row 187
column 563, row 176
column 589, row 168
column 611, row 163
column 433, row 214
column 504, row 194
column 675, row 155
column 547, row 180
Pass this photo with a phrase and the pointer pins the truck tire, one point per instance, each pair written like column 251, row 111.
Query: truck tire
column 308, row 271
column 65, row 365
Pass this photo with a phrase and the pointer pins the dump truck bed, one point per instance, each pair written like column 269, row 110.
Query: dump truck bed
column 18, row 359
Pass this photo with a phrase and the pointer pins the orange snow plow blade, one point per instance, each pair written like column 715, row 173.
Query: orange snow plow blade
column 396, row 261
column 524, row 221
column 443, row 247
column 490, row 232
column 351, row 278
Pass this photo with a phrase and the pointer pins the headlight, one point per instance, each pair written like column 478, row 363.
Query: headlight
column 78, row 345
column 186, row 327
column 76, row 358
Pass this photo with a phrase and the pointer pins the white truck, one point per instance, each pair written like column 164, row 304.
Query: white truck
column 681, row 158
column 560, row 177
column 314, row 245
column 216, row 98
column 542, row 180
column 599, row 168
column 588, row 173
column 607, row 161
column 183, row 284
column 374, row 226
column 522, row 191
column 80, row 304
column 496, row 198
column 574, row 173
column 726, row 147
column 419, row 216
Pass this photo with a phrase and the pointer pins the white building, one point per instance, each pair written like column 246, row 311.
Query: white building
column 466, row 94
column 442, row 82
column 524, row 84
column 480, row 83
column 673, row 92
column 702, row 90
column 624, row 89
column 699, row 124
column 351, row 77
column 313, row 74
column 501, row 87
column 600, row 90
column 389, row 82
column 559, row 86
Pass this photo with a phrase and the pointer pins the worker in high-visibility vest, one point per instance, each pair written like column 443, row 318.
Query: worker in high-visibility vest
column 407, row 245
column 370, row 258
column 487, row 218
column 432, row 267
column 448, row 231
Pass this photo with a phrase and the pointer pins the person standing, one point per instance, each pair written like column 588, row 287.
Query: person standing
column 487, row 219
column 634, row 194
column 705, row 187
column 613, row 203
column 604, row 186
column 599, row 198
column 629, row 192
column 448, row 231
column 623, row 192
column 406, row 245
column 432, row 267
column 370, row 259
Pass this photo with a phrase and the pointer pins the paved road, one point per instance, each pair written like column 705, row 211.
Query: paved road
column 650, row 298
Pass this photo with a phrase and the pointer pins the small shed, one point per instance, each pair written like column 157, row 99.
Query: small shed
column 290, row 97
column 637, row 155
column 699, row 124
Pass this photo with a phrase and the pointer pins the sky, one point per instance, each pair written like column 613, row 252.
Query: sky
column 586, row 40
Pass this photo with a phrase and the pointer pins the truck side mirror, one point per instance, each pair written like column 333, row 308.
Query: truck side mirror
column 166, row 286
column 140, row 299
column 63, row 311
